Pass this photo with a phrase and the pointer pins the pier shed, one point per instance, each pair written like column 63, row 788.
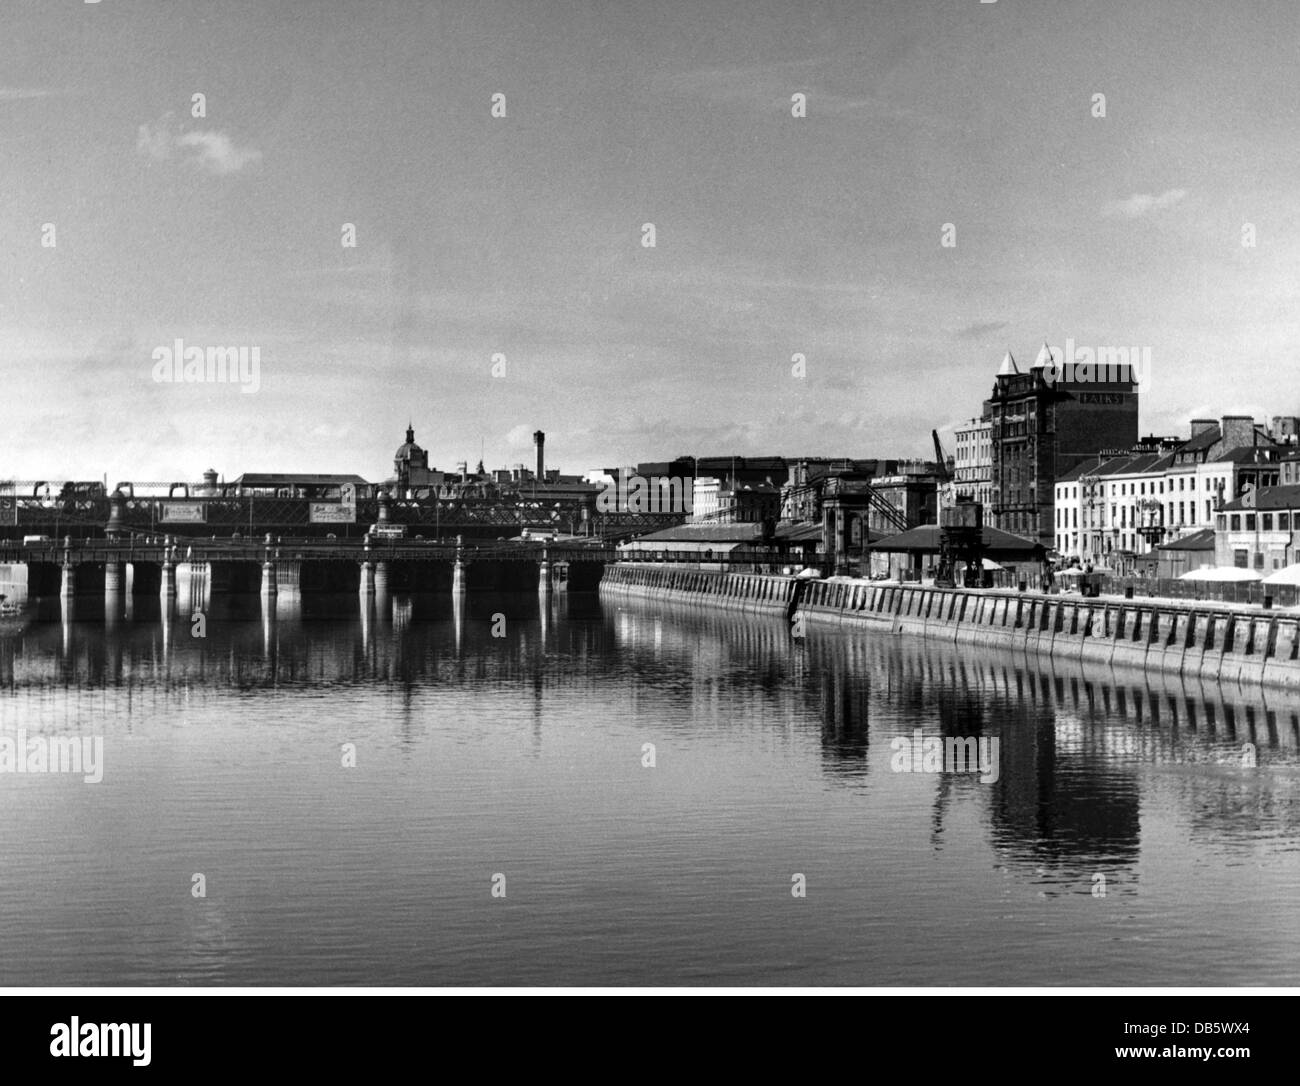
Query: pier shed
column 906, row 555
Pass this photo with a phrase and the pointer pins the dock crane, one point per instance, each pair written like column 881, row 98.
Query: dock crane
column 961, row 528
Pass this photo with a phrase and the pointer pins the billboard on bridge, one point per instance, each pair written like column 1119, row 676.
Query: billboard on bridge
column 333, row 513
column 183, row 513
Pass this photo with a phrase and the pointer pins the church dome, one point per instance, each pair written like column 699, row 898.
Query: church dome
column 408, row 450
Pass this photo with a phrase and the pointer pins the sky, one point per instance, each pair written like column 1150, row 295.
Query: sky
column 500, row 282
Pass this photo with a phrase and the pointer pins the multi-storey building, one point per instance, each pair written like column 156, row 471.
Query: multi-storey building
column 1040, row 429
column 973, row 462
column 1260, row 530
column 1124, row 504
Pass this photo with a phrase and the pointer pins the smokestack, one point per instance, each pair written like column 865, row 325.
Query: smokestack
column 539, row 439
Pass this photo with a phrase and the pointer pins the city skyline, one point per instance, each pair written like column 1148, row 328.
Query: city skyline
column 480, row 236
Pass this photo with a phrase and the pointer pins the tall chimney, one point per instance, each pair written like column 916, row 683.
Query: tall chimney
column 539, row 439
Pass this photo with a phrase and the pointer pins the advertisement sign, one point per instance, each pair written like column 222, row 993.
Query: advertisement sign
column 333, row 513
column 183, row 513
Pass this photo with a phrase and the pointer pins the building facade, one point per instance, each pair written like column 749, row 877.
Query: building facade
column 973, row 462
column 1125, row 504
column 1041, row 429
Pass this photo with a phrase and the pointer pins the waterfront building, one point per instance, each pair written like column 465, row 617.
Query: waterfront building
column 720, row 545
column 288, row 485
column 973, row 462
column 1040, row 429
column 1186, row 553
column 911, row 492
column 914, row 554
column 1259, row 530
column 1124, row 504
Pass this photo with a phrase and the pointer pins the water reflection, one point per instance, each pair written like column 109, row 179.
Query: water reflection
column 512, row 726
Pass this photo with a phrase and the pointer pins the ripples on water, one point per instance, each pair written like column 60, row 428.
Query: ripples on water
column 522, row 755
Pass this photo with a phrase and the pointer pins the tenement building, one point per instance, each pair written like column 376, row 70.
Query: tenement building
column 1042, row 424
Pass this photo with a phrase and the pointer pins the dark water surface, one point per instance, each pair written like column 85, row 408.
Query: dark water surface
column 522, row 755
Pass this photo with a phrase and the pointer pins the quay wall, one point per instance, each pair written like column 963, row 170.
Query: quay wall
column 757, row 592
column 1199, row 639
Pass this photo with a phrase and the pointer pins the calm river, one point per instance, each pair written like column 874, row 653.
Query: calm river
column 432, row 795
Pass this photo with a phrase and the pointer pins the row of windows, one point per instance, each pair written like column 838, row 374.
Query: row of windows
column 1125, row 490
column 1265, row 522
column 1241, row 559
column 1125, row 541
column 1122, row 515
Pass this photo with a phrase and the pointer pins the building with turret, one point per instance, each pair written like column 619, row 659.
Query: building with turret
column 1045, row 421
column 411, row 466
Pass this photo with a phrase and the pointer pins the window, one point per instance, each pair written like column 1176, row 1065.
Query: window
column 1259, row 559
column 1284, row 522
column 1180, row 482
column 1220, row 522
column 1239, row 559
column 1235, row 524
column 1266, row 520
column 1144, row 488
column 1250, row 522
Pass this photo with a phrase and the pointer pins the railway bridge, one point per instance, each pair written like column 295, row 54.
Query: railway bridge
column 190, row 570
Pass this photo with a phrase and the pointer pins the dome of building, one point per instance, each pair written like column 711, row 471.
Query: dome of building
column 408, row 450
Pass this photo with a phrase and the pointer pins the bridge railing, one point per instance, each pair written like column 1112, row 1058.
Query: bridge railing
column 196, row 549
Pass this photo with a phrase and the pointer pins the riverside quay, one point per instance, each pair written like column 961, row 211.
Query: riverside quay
column 1211, row 641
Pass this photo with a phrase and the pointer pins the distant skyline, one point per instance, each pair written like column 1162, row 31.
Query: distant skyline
column 480, row 236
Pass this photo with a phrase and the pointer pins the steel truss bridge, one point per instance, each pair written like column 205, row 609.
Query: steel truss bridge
column 24, row 514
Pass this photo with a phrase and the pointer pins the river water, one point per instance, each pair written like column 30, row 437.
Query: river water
column 502, row 823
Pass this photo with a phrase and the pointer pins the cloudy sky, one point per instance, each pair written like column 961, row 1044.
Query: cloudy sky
column 522, row 235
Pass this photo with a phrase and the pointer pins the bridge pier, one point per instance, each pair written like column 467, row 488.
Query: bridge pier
column 544, row 576
column 68, row 585
column 167, row 589
column 367, row 586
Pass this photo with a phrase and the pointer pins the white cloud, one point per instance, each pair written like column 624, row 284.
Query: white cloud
column 218, row 153
column 14, row 94
column 1142, row 203
column 213, row 151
